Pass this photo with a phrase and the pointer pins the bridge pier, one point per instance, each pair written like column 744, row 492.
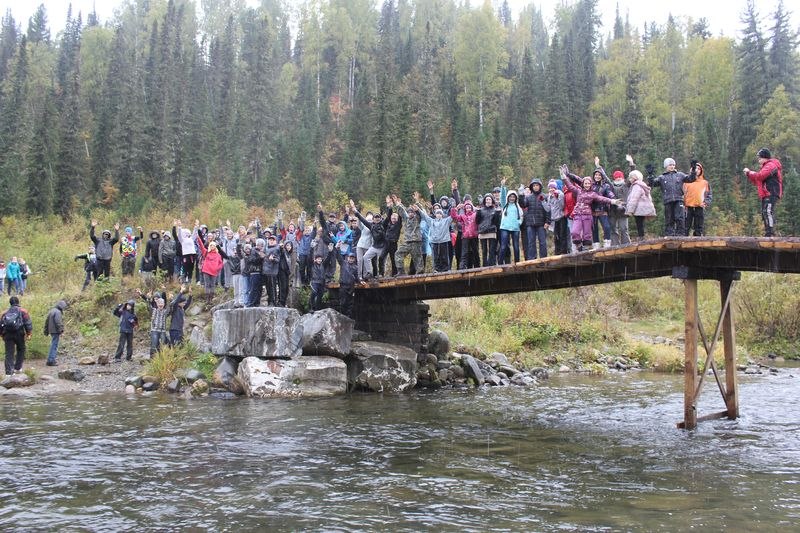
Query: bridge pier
column 395, row 322
column 694, row 332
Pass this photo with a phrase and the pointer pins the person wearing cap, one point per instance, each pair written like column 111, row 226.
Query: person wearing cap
column 697, row 197
column 128, row 322
column 104, row 248
column 90, row 266
column 671, row 182
column 348, row 278
column 769, row 181
column 127, row 249
column 616, row 215
column 270, row 268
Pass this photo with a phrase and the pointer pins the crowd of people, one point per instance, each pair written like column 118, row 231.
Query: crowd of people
column 455, row 230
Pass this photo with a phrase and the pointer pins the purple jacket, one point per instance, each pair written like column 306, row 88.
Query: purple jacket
column 583, row 198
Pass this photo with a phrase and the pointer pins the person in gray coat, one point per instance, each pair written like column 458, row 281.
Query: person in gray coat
column 54, row 326
column 104, row 248
column 671, row 183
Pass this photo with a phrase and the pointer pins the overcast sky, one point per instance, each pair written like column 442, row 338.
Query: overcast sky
column 723, row 15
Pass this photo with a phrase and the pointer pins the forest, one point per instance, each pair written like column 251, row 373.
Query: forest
column 171, row 100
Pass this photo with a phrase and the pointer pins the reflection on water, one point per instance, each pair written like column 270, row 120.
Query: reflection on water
column 575, row 453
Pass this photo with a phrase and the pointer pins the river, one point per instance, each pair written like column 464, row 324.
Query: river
column 575, row 453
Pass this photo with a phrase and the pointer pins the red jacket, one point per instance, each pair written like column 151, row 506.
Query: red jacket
column 569, row 202
column 762, row 179
column 212, row 261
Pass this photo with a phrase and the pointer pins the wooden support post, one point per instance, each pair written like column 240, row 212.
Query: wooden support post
column 690, row 360
column 729, row 346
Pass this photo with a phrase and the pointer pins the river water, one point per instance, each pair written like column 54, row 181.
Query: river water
column 586, row 453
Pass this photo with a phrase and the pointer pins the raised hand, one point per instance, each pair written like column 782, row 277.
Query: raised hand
column 416, row 196
column 94, row 223
column 503, row 182
column 352, row 205
column 388, row 201
column 596, row 161
column 629, row 158
column 319, row 206
column 116, row 226
column 197, row 222
column 454, row 184
column 430, row 185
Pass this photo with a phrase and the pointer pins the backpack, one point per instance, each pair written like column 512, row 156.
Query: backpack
column 12, row 321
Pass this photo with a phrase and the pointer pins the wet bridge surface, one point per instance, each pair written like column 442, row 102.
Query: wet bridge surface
column 682, row 257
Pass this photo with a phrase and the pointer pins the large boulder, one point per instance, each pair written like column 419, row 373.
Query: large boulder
column 271, row 332
column 472, row 369
column 225, row 375
column 438, row 343
column 381, row 367
column 198, row 339
column 306, row 377
column 327, row 332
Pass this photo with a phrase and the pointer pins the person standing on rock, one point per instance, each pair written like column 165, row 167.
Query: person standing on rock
column 128, row 322
column 15, row 328
column 104, row 247
column 158, row 322
column 769, row 180
column 54, row 326
column 177, row 310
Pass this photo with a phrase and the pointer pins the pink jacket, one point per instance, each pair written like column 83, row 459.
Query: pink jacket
column 640, row 203
column 584, row 199
column 469, row 224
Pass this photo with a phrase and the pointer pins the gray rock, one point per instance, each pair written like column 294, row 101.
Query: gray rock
column 443, row 364
column 72, row 374
column 198, row 339
column 271, row 332
column 502, row 375
column 458, row 372
column 88, row 360
column 539, row 372
column 564, row 369
column 382, row 367
column 46, row 378
column 103, row 359
column 189, row 375
column 225, row 376
column 149, row 379
column 230, row 304
column 306, row 377
column 429, row 359
column 499, row 358
column 222, row 395
column 136, row 381
column 494, row 380
column 327, row 332
column 619, row 365
column 15, row 381
column 523, row 379
column 360, row 336
column 194, row 310
column 130, row 389
column 750, row 370
column 174, row 386
column 150, row 386
column 438, row 342
column 508, row 370
column 444, row 375
column 199, row 388
column 472, row 370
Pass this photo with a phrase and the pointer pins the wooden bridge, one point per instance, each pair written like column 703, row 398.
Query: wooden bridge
column 392, row 309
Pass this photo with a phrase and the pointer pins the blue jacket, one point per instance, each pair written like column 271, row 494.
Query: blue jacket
column 512, row 212
column 127, row 319
column 12, row 271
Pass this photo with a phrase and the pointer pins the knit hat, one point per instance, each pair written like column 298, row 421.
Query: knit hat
column 438, row 212
column 128, row 229
column 496, row 189
column 552, row 184
column 668, row 161
column 618, row 175
column 765, row 153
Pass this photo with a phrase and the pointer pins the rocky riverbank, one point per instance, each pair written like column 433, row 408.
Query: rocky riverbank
column 276, row 352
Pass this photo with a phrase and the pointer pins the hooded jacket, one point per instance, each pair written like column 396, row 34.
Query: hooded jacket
column 769, row 179
column 468, row 220
column 554, row 205
column 177, row 312
column 212, row 259
column 536, row 214
column 127, row 319
column 54, row 325
column 439, row 228
column 697, row 193
column 511, row 218
column 488, row 219
column 621, row 189
column 104, row 246
column 377, row 230
column 640, row 203
column 583, row 198
column 151, row 248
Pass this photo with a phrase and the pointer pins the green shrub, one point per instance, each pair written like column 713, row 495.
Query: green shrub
column 205, row 362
